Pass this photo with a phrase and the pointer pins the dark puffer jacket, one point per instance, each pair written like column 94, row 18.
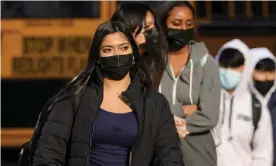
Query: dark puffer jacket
column 272, row 108
column 157, row 142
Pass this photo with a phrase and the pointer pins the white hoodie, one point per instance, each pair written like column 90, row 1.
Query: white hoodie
column 234, row 131
column 258, row 54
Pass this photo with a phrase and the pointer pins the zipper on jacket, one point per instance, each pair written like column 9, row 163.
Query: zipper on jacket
column 91, row 136
column 90, row 142
column 128, row 102
column 175, row 80
column 223, row 108
column 90, row 146
column 130, row 157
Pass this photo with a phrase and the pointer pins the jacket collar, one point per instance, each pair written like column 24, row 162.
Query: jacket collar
column 135, row 91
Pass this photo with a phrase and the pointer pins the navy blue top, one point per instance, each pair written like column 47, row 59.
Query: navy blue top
column 112, row 138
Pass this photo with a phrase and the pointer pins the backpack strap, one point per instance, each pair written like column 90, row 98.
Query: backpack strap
column 256, row 115
column 257, row 110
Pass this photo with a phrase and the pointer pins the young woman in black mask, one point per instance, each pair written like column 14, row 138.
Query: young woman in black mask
column 140, row 20
column 119, row 120
column 262, row 83
column 191, row 84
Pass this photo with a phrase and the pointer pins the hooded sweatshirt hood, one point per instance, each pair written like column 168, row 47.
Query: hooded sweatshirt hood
column 238, row 143
column 195, row 83
column 198, row 57
column 243, row 48
column 256, row 55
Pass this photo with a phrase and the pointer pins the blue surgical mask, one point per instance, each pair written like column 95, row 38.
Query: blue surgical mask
column 229, row 78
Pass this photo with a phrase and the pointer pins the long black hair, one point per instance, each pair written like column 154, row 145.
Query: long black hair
column 132, row 15
column 89, row 73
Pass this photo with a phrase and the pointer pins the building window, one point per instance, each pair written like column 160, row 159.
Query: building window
column 240, row 8
column 256, row 9
column 220, row 10
column 201, row 9
column 50, row 9
column 272, row 9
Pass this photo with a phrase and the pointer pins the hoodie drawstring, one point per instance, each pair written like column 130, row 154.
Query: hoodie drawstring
column 191, row 82
column 176, row 80
column 223, row 108
column 230, row 119
column 160, row 88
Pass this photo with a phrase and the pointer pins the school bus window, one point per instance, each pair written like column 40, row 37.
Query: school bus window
column 272, row 9
column 219, row 10
column 50, row 9
column 201, row 8
column 256, row 8
column 240, row 8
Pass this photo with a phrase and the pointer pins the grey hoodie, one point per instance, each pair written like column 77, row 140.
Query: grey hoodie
column 197, row 83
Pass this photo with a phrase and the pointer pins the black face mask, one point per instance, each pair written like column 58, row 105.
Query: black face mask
column 151, row 36
column 263, row 86
column 116, row 67
column 179, row 38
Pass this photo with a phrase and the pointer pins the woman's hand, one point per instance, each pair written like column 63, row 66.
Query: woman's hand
column 189, row 109
column 181, row 127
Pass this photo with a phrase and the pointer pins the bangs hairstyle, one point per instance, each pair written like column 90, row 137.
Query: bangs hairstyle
column 266, row 64
column 231, row 57
column 132, row 15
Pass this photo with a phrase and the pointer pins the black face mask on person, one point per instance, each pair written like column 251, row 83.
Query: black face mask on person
column 116, row 67
column 179, row 38
column 151, row 36
column 263, row 86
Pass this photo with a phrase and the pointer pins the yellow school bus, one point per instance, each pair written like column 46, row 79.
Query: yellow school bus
column 45, row 46
column 52, row 47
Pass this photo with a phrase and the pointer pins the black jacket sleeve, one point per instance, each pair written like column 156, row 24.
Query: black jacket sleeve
column 52, row 144
column 167, row 150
